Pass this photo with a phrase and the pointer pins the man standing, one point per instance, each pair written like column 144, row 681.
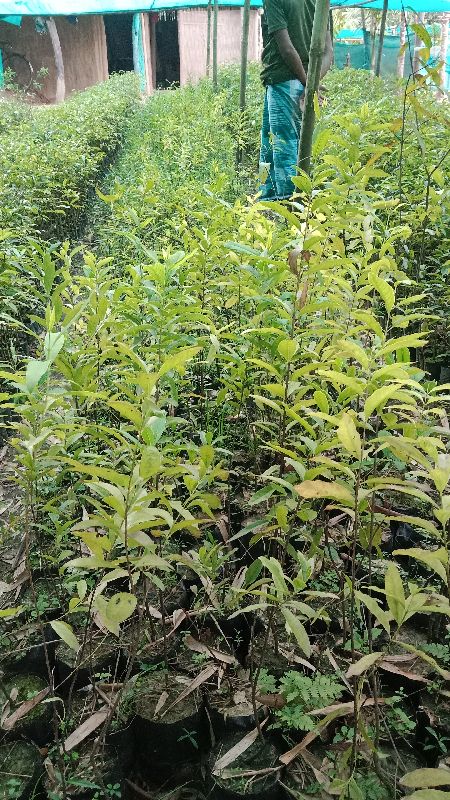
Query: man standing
column 287, row 30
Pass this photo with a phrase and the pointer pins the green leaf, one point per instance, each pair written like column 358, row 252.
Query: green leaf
column 10, row 612
column 151, row 463
column 310, row 490
column 374, row 607
column 127, row 410
column 379, row 398
column 427, row 557
column 385, row 291
column 65, row 632
column 303, row 182
column 35, row 371
column 363, row 664
column 426, row 778
column 298, row 630
column 99, row 472
column 179, row 360
column 412, row 340
column 427, row 658
column 348, row 435
column 53, row 344
column 422, row 33
column 276, row 571
column 288, row 348
column 419, row 522
column 116, row 610
column 395, row 593
column 354, row 350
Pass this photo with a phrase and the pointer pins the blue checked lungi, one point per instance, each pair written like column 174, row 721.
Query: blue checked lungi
column 280, row 138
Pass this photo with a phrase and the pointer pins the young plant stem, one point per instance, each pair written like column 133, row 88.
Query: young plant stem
column 316, row 52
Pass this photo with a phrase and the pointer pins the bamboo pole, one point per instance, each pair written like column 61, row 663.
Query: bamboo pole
column 59, row 61
column 244, row 69
column 318, row 39
column 445, row 21
column 402, row 52
column 215, row 59
column 417, row 45
column 373, row 36
column 381, row 38
column 208, row 41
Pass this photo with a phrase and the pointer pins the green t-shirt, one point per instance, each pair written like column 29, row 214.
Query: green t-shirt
column 298, row 17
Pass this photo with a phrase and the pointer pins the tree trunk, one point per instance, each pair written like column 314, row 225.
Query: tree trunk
column 381, row 39
column 402, row 52
column 445, row 21
column 215, row 59
column 208, row 41
column 59, row 62
column 244, row 63
column 318, row 39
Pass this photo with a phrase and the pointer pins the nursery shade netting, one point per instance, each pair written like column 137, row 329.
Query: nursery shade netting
column 44, row 8
column 416, row 6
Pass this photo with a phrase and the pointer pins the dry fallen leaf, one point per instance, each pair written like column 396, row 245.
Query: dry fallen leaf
column 85, row 729
column 24, row 709
column 239, row 748
column 161, row 703
column 198, row 681
column 199, row 647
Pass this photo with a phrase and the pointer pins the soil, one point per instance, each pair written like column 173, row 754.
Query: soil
column 148, row 691
column 100, row 655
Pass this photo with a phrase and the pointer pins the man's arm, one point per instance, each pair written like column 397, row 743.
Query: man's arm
column 327, row 59
column 289, row 55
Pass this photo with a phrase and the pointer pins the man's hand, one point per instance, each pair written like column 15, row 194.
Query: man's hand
column 321, row 96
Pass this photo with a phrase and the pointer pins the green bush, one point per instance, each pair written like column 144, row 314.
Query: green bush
column 11, row 113
column 52, row 159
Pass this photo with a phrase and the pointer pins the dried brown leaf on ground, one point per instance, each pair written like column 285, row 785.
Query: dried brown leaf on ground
column 205, row 675
column 24, row 709
column 85, row 729
column 231, row 755
column 199, row 647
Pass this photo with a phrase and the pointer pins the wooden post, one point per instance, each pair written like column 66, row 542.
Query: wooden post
column 244, row 63
column 373, row 36
column 402, row 52
column 244, row 54
column 138, row 53
column 208, row 40
column 215, row 58
column 417, row 45
column 59, row 61
column 445, row 21
column 318, row 40
column 381, row 39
